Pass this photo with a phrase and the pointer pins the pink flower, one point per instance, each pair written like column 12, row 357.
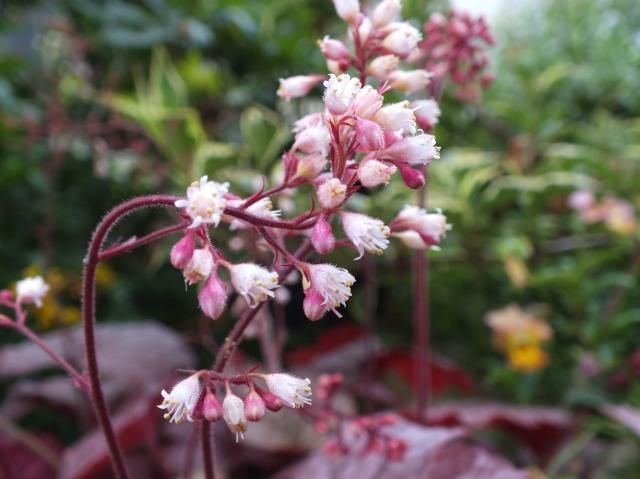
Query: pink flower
column 365, row 233
column 199, row 267
column 411, row 176
column 397, row 117
column 427, row 113
column 340, row 92
column 367, row 103
column 253, row 282
column 211, row 407
column 331, row 193
column 581, row 200
column 212, row 298
column 382, row 66
column 386, row 12
column 322, row 238
column 314, row 305
column 432, row 227
column 372, row 173
column 310, row 166
column 401, row 39
column 254, row 407
column 182, row 251
column 409, row 81
column 312, row 136
column 333, row 49
column 413, row 150
column 369, row 134
column 348, row 10
column 333, row 284
column 298, row 86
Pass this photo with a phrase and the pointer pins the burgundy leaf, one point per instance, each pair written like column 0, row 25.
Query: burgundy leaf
column 24, row 462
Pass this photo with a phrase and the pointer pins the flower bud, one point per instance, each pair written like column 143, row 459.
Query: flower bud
column 331, row 193
column 427, row 113
column 213, row 296
column 412, row 177
column 199, row 267
column 382, row 66
column 372, row 173
column 322, row 237
column 182, row 251
column 409, row 81
column 348, row 10
column 271, row 401
column 233, row 414
column 254, row 406
column 402, row 39
column 211, row 407
column 297, row 86
column 333, row 49
column 369, row 134
column 386, row 12
column 314, row 305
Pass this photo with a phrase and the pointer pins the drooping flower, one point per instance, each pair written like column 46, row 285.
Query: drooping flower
column 262, row 208
column 322, row 238
column 310, row 166
column 409, row 81
column 427, row 113
column 254, row 407
column 211, row 407
column 369, row 135
column 212, row 298
column 205, row 202
column 331, row 193
column 298, row 86
column 294, row 392
column 365, row 233
column 340, row 91
column 332, row 283
column 181, row 402
column 233, row 413
column 372, row 173
column 432, row 227
column 253, row 282
column 333, row 49
column 182, row 251
column 31, row 290
column 413, row 150
column 397, row 117
column 199, row 267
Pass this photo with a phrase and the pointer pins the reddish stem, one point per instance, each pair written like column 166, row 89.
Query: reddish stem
column 133, row 243
column 88, row 314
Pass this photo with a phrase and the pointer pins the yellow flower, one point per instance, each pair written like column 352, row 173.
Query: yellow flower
column 527, row 358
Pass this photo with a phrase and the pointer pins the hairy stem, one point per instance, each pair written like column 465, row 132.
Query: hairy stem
column 88, row 315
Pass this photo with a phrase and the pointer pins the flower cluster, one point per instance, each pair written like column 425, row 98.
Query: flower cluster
column 520, row 335
column 195, row 397
column 617, row 214
column 455, row 47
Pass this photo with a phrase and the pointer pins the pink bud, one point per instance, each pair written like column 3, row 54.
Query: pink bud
column 254, row 406
column 314, row 304
column 211, row 407
column 182, row 251
column 373, row 173
column 369, row 134
column 271, row 401
column 333, row 49
column 213, row 296
column 331, row 193
column 412, row 177
column 322, row 237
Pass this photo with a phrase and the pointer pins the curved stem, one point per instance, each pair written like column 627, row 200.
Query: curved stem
column 136, row 242
column 88, row 315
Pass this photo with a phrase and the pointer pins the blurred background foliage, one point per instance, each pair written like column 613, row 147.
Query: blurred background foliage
column 104, row 100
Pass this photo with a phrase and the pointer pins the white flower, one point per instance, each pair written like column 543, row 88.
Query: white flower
column 401, row 39
column 432, row 227
column 253, row 282
column 233, row 414
column 297, row 86
column 31, row 290
column 205, row 202
column 382, row 66
column 340, row 92
column 348, row 10
column 365, row 233
column 367, row 102
column 294, row 391
column 386, row 12
column 397, row 117
column 181, row 402
column 331, row 193
column 262, row 208
column 411, row 239
column 414, row 150
column 199, row 266
column 373, row 173
column 427, row 113
column 409, row 81
column 332, row 283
